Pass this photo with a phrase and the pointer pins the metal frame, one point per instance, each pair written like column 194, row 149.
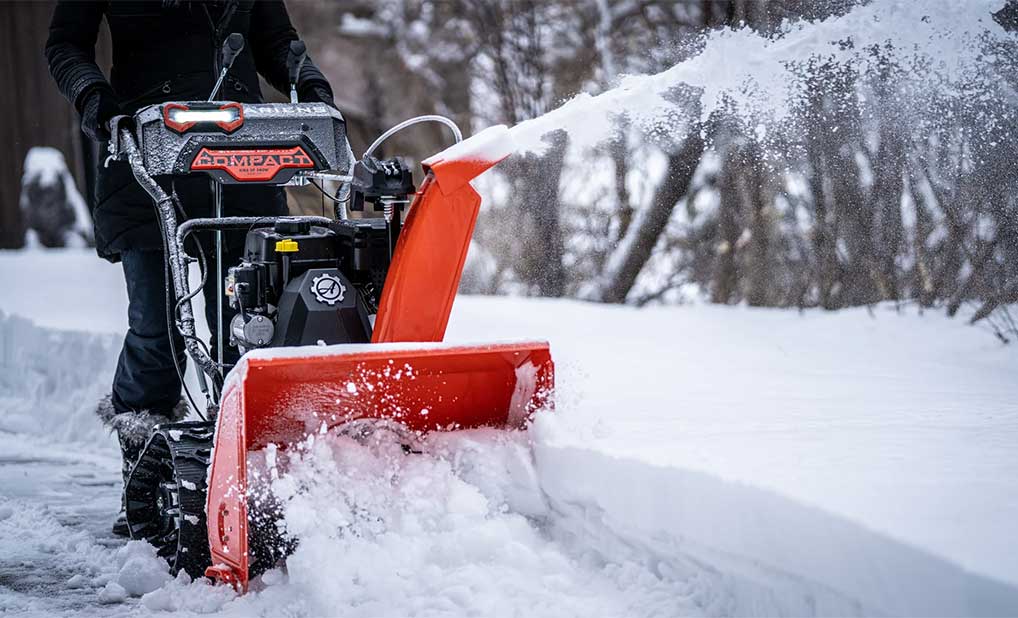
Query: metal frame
column 174, row 235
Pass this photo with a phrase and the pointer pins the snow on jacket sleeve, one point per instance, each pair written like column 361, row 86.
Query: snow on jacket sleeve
column 70, row 49
column 270, row 35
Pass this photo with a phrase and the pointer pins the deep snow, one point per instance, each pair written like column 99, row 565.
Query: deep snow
column 702, row 461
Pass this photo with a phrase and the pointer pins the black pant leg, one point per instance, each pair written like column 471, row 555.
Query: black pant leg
column 146, row 378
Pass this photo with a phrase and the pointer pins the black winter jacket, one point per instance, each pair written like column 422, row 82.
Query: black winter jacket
column 169, row 51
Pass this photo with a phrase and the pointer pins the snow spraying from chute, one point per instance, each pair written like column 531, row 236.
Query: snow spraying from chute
column 760, row 79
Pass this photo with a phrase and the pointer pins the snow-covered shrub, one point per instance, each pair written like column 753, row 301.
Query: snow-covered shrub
column 54, row 213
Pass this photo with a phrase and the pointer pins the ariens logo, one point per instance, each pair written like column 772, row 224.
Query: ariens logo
column 252, row 165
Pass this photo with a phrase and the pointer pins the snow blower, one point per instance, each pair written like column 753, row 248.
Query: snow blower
column 338, row 320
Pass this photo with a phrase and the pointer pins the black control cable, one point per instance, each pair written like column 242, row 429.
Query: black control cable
column 203, row 269
column 335, row 199
column 171, row 318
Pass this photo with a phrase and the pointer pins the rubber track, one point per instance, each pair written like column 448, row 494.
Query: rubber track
column 173, row 467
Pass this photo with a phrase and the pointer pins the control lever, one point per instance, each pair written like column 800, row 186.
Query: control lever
column 294, row 61
column 232, row 46
column 113, row 147
column 385, row 182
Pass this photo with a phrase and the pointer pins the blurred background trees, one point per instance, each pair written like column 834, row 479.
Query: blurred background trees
column 876, row 193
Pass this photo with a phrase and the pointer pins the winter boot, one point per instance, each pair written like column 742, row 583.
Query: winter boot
column 133, row 430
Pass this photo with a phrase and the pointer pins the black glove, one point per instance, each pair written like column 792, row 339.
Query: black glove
column 317, row 92
column 99, row 108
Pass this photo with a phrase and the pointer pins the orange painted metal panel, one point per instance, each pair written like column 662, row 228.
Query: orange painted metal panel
column 426, row 267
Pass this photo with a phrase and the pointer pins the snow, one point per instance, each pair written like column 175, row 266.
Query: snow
column 878, row 418
column 112, row 593
column 141, row 570
column 77, row 581
column 701, row 461
column 51, row 380
column 770, row 74
column 490, row 145
column 44, row 165
column 64, row 289
column 355, row 26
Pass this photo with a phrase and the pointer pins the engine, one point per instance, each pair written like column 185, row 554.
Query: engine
column 303, row 284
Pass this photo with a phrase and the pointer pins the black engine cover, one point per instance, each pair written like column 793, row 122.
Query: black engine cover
column 321, row 305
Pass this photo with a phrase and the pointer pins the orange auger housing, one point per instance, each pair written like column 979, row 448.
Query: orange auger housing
column 279, row 395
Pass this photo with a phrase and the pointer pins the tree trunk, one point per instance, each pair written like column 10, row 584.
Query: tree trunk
column 545, row 206
column 620, row 161
column 888, row 229
column 978, row 265
column 725, row 278
column 636, row 246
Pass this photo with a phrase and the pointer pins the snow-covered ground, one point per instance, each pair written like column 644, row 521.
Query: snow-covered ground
column 702, row 461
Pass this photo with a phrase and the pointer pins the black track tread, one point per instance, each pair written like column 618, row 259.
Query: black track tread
column 178, row 460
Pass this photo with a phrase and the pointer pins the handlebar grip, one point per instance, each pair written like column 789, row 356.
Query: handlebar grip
column 295, row 59
column 114, row 122
column 232, row 46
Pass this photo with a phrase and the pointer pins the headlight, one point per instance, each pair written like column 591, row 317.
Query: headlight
column 181, row 118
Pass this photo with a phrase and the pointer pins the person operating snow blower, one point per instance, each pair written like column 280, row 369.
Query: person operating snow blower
column 164, row 51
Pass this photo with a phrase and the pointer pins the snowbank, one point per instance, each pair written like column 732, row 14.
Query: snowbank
column 51, row 380
column 903, row 423
column 754, row 551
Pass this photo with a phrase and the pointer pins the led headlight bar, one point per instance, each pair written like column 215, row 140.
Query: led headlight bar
column 181, row 118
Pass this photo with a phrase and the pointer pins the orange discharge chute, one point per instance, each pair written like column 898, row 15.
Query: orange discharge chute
column 279, row 396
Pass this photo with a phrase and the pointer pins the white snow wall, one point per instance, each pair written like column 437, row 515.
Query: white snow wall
column 765, row 554
column 51, row 380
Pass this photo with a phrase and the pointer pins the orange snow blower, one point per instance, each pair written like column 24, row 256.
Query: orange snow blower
column 338, row 320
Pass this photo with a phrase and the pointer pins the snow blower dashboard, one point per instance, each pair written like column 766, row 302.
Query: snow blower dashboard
column 238, row 143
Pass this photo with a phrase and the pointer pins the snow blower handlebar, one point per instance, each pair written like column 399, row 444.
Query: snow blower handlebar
column 175, row 256
column 173, row 236
column 234, row 144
